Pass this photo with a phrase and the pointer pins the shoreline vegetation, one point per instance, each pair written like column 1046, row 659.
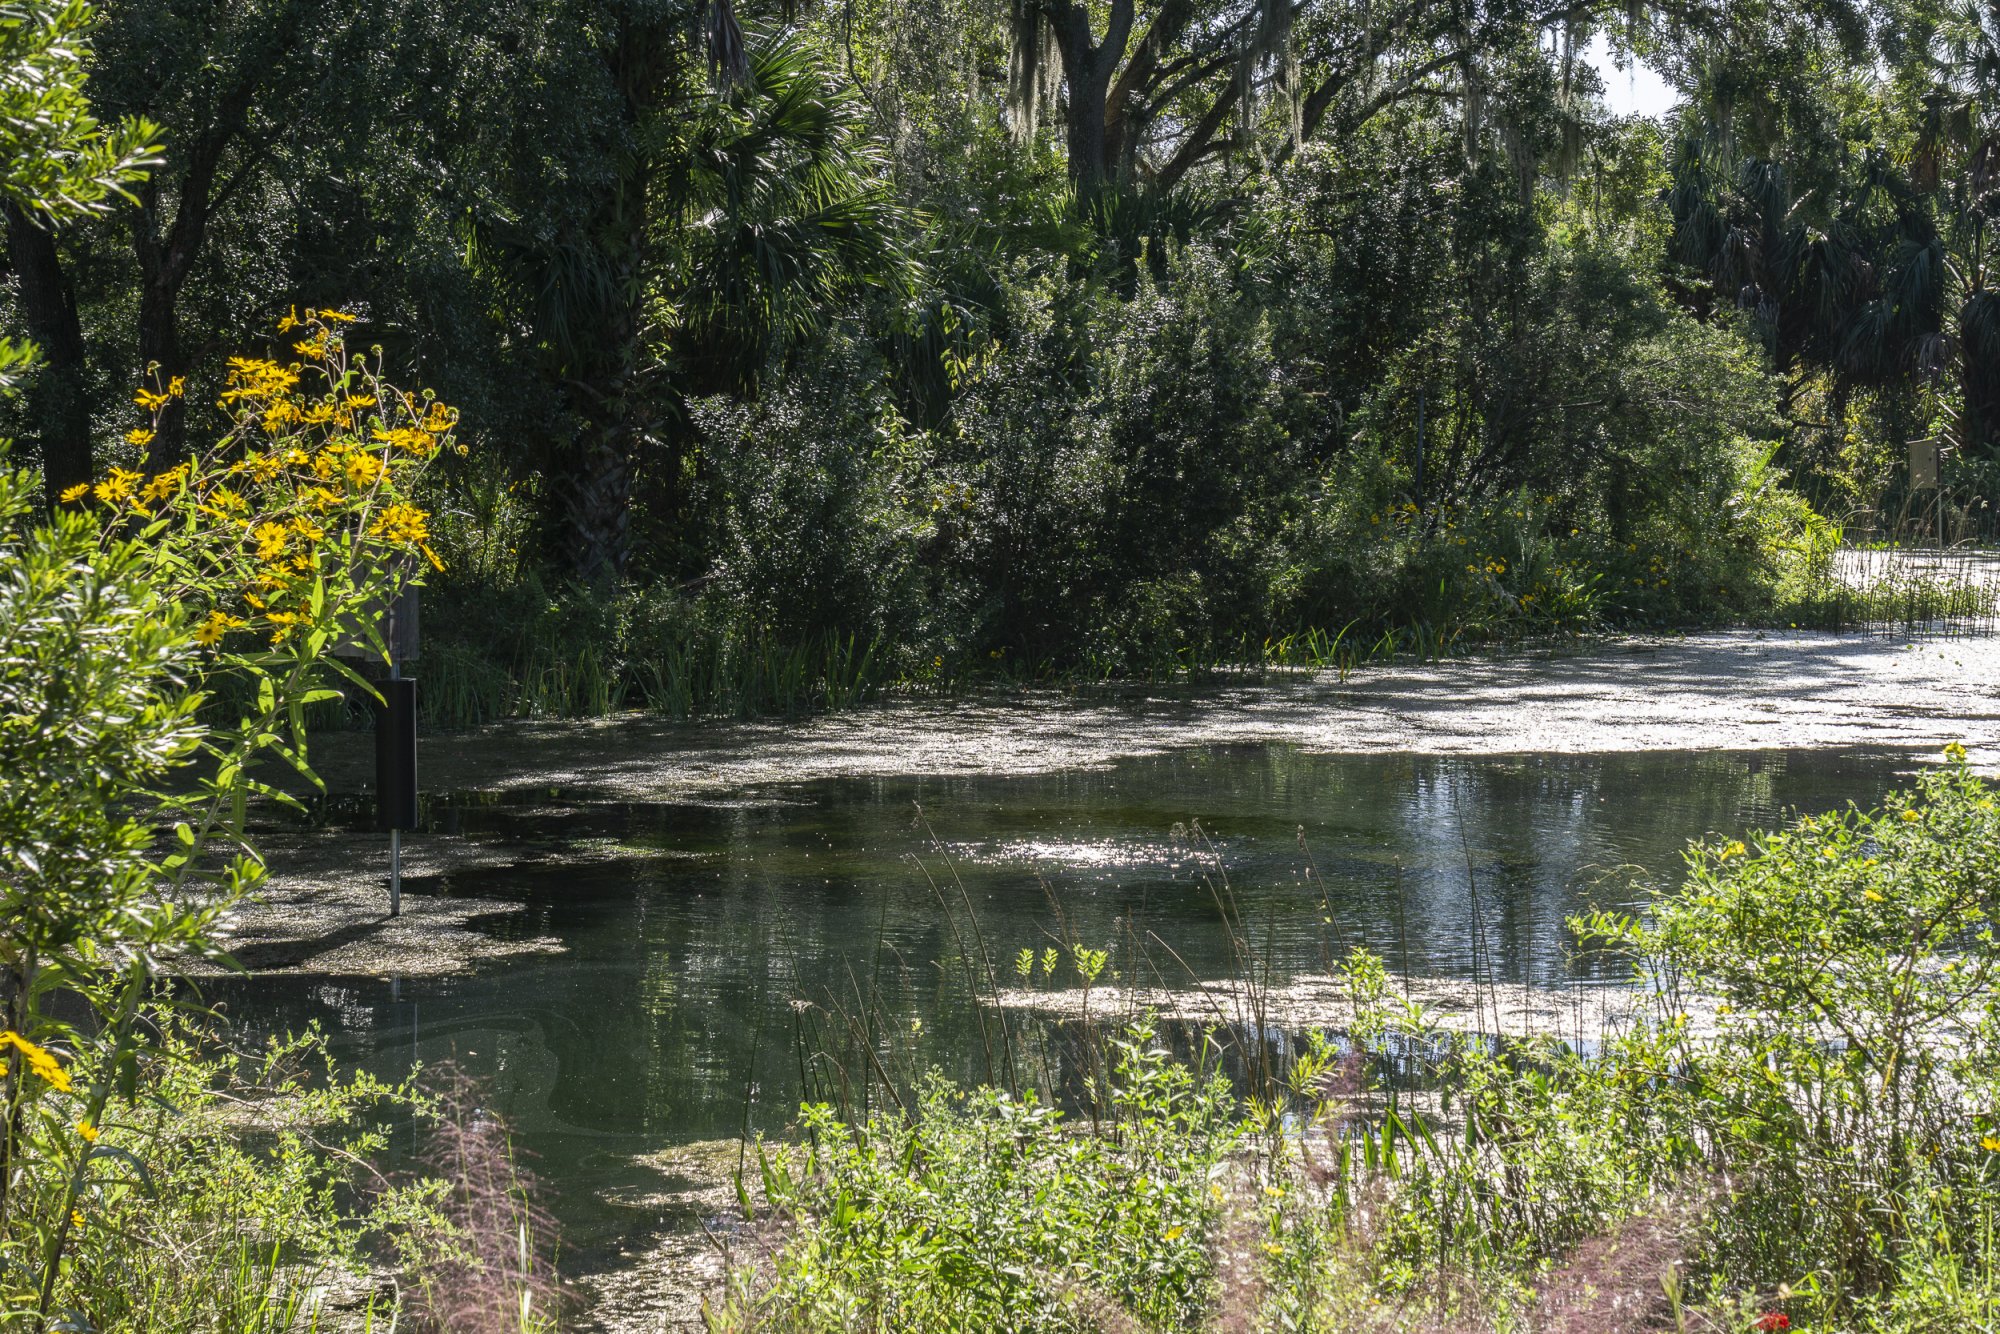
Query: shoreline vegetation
column 1814, row 1151
column 537, row 667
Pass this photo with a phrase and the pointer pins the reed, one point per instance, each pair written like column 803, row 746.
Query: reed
column 699, row 673
column 1950, row 591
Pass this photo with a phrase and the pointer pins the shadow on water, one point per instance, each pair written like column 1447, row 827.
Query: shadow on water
column 695, row 935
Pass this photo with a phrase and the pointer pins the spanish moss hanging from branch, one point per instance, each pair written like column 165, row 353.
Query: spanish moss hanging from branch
column 1268, row 57
column 1034, row 69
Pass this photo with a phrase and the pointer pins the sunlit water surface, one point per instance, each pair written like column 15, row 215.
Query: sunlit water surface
column 691, row 932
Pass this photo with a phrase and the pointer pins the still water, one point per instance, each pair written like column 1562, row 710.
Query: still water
column 691, row 933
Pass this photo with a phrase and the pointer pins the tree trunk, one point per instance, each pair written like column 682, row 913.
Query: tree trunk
column 1085, row 140
column 166, row 255
column 59, row 400
column 606, row 449
column 600, row 502
column 160, row 347
column 1087, row 70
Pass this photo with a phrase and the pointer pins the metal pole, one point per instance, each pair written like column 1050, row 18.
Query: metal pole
column 395, row 838
column 1418, row 487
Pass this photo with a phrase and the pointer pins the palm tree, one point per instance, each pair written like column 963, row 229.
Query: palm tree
column 727, row 214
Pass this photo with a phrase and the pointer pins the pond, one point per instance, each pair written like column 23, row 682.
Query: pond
column 692, row 930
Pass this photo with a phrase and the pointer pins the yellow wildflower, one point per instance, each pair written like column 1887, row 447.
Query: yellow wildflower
column 253, row 379
column 139, row 436
column 177, row 387
column 151, row 400
column 75, row 493
column 291, row 321
column 401, row 523
column 1174, row 1233
column 1954, row 751
column 362, row 468
column 88, row 1131
column 423, row 444
column 336, row 316
column 118, row 486
column 45, row 1066
column 210, row 632
column 270, row 541
column 1911, row 817
column 1990, row 1144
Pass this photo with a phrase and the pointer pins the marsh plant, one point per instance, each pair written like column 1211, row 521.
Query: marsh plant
column 1796, row 1132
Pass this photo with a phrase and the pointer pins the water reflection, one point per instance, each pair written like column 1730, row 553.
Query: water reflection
column 690, row 929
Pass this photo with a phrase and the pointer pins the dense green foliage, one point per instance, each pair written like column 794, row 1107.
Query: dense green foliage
column 1799, row 1123
column 806, row 351
column 163, row 637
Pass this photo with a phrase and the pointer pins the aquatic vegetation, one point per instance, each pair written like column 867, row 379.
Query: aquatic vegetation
column 1820, row 1156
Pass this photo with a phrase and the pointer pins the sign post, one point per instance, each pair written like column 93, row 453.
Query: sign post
column 396, row 772
column 1924, row 477
column 395, row 727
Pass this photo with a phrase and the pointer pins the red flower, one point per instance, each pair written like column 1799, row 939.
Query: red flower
column 1772, row 1322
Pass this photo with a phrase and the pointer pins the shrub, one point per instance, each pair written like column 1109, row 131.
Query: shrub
column 1850, row 1084
column 224, row 1195
column 163, row 637
column 982, row 1210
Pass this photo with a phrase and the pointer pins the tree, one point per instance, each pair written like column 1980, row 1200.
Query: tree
column 1158, row 94
column 57, row 165
column 1855, row 241
column 705, row 227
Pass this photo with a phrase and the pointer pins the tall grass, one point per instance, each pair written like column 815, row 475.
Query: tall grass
column 1953, row 590
column 524, row 652
column 717, row 673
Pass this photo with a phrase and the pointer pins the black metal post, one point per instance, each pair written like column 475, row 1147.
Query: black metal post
column 396, row 773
